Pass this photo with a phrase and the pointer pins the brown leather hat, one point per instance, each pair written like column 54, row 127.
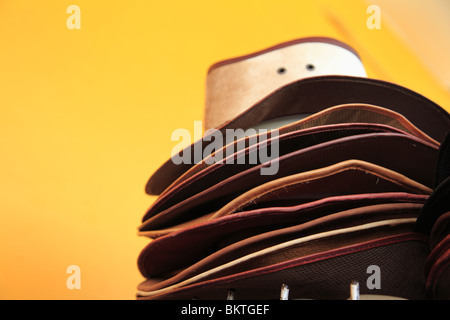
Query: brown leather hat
column 311, row 95
column 340, row 118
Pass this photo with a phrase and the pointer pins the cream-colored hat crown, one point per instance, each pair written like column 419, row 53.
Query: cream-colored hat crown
column 234, row 85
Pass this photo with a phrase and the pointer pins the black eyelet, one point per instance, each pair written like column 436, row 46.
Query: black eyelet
column 310, row 67
column 281, row 70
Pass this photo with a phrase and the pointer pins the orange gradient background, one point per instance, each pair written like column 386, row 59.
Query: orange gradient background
column 86, row 115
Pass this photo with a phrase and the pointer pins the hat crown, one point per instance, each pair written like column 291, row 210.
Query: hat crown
column 234, row 85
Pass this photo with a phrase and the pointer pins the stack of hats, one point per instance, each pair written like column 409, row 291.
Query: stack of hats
column 309, row 176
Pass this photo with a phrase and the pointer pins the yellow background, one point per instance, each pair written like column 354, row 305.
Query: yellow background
column 86, row 115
